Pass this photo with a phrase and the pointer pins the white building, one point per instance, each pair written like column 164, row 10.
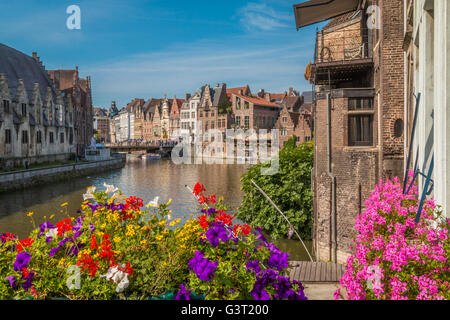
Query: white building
column 124, row 125
column 427, row 52
column 188, row 114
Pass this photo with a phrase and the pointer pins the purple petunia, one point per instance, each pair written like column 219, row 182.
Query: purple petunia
column 91, row 227
column 12, row 281
column 45, row 226
column 216, row 234
column 183, row 294
column 253, row 265
column 22, row 260
column 278, row 261
column 209, row 211
column 283, row 288
column 260, row 236
column 61, row 243
column 28, row 280
column 202, row 267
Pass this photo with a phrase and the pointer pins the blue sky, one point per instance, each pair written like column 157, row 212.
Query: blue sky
column 145, row 48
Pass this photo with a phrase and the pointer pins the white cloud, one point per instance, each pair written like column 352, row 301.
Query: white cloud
column 260, row 16
column 183, row 69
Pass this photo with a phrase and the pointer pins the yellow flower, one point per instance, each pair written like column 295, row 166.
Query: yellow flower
column 64, row 204
column 143, row 242
column 51, row 217
column 103, row 226
column 130, row 231
column 61, row 262
column 30, row 213
column 159, row 237
column 117, row 239
column 170, row 201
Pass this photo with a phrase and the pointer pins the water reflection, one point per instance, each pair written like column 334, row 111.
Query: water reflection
column 145, row 179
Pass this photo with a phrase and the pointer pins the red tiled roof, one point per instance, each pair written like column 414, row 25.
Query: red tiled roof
column 258, row 101
column 236, row 90
column 276, row 96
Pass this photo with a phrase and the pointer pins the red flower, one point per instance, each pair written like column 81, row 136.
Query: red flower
column 198, row 188
column 24, row 243
column 88, row 264
column 93, row 242
column 128, row 269
column 212, row 199
column 7, row 236
column 64, row 226
column 241, row 230
column 203, row 222
column 134, row 203
column 224, row 218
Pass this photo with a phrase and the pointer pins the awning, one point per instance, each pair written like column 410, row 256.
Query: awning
column 314, row 11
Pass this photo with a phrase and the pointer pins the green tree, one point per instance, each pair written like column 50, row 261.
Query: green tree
column 289, row 189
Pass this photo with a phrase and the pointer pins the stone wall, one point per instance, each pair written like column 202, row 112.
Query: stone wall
column 25, row 178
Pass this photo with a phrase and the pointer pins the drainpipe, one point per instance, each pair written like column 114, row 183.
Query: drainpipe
column 333, row 184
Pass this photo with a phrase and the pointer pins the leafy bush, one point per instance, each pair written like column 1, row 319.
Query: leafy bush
column 395, row 257
column 118, row 249
column 289, row 189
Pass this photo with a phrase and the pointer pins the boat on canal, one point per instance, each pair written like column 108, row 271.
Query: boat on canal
column 151, row 156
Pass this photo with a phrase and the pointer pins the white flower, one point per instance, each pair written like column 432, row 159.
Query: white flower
column 110, row 188
column 154, row 203
column 123, row 284
column 89, row 193
column 51, row 232
column 169, row 216
column 117, row 277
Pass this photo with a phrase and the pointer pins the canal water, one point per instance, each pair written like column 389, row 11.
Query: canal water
column 145, row 179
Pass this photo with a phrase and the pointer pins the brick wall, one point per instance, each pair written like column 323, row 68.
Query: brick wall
column 354, row 168
column 389, row 79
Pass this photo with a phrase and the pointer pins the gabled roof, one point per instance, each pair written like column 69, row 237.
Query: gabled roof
column 258, row 101
column 99, row 112
column 231, row 91
column 277, row 96
column 17, row 65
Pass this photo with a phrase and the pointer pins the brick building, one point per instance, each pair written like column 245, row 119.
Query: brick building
column 358, row 75
column 294, row 123
column 101, row 125
column 253, row 112
column 174, row 117
column 69, row 82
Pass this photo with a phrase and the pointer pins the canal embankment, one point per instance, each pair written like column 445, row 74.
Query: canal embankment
column 21, row 179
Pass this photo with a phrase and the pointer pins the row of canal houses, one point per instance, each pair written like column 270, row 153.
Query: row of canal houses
column 219, row 108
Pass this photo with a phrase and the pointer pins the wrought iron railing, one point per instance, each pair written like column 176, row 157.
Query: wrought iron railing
column 342, row 45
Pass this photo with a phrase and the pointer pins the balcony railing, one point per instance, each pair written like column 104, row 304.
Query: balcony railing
column 342, row 45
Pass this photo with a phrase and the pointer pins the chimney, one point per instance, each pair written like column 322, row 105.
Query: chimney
column 291, row 92
column 35, row 56
column 261, row 93
column 188, row 96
